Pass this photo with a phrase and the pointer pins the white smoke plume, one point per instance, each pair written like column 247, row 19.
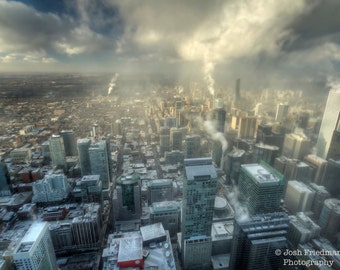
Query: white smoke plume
column 210, row 128
column 208, row 70
column 241, row 212
column 112, row 83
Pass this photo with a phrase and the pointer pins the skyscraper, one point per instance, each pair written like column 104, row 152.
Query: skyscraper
column 219, row 115
column 69, row 142
column 57, row 150
column 99, row 161
column 126, row 199
column 329, row 220
column 334, row 146
column 199, row 192
column 256, row 239
column 330, row 123
column 4, row 180
column 281, row 111
column 176, row 137
column 247, row 127
column 83, row 146
column 192, row 146
column 35, row 250
column 261, row 187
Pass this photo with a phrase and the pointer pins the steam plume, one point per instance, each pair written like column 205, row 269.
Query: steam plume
column 241, row 212
column 112, row 83
column 210, row 128
column 208, row 69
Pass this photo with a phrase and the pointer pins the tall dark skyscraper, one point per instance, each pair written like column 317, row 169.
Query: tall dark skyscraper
column 69, row 142
column 255, row 241
column 198, row 206
column 219, row 115
column 83, row 146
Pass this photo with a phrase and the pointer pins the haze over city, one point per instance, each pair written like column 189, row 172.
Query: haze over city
column 169, row 135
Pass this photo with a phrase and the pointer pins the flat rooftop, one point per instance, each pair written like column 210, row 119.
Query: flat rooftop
column 199, row 167
column 34, row 232
column 260, row 173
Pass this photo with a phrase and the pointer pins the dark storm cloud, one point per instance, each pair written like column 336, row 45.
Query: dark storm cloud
column 25, row 31
column 320, row 25
column 277, row 41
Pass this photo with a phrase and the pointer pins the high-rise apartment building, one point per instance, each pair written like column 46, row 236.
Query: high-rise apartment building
column 329, row 124
column 83, row 146
column 199, row 192
column 256, row 239
column 261, row 187
column 35, row 250
column 57, row 151
column 99, row 161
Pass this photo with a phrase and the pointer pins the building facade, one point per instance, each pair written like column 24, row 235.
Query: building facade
column 261, row 187
column 330, row 123
column 35, row 250
column 256, row 239
column 198, row 208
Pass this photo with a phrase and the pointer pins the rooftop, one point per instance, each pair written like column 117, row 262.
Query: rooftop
column 199, row 167
column 260, row 173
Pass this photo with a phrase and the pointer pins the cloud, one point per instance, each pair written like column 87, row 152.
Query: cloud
column 24, row 29
column 35, row 57
column 218, row 41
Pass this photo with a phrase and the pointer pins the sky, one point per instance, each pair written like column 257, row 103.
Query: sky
column 266, row 43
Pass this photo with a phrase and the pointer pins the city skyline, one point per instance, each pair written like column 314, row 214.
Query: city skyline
column 284, row 44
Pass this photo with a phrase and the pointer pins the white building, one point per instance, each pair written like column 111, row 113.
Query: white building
column 299, row 197
column 35, row 251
